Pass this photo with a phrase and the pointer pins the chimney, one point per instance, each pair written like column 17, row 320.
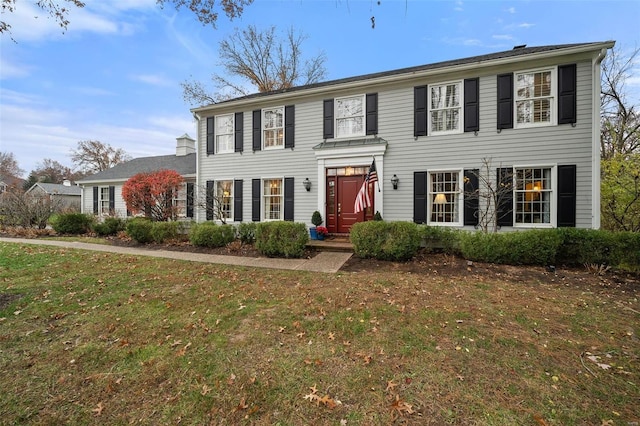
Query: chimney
column 185, row 145
column 66, row 182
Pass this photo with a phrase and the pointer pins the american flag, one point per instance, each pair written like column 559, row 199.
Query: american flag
column 363, row 199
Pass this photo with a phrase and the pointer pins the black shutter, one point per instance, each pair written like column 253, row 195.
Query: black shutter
column 505, row 196
column 237, row 200
column 471, row 105
column 190, row 187
column 255, row 200
column 420, row 197
column 372, row 113
column 95, row 200
column 288, row 198
column 567, row 195
column 211, row 125
column 471, row 197
column 505, row 101
column 567, row 89
column 327, row 114
column 209, row 200
column 112, row 200
column 289, row 126
column 420, row 111
column 257, row 130
column 239, row 134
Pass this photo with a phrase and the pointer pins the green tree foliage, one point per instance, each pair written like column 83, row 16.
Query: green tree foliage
column 620, row 193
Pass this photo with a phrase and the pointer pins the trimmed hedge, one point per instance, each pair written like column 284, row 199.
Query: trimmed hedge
column 441, row 238
column 534, row 247
column 139, row 229
column 386, row 240
column 110, row 226
column 281, row 239
column 208, row 234
column 246, row 232
column 72, row 223
column 164, row 231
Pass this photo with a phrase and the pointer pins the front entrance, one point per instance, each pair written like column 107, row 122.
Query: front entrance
column 343, row 185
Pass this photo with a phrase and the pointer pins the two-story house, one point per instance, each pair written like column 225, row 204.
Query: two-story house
column 530, row 113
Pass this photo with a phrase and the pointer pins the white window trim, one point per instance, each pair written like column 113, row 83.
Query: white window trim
column 553, row 203
column 553, row 95
column 262, row 130
column 364, row 117
column 460, row 198
column 217, row 133
column 101, row 211
column 231, row 212
column 181, row 195
column 263, row 197
column 460, row 129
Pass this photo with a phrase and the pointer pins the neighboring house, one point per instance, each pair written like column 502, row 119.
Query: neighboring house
column 533, row 111
column 102, row 192
column 65, row 195
column 9, row 182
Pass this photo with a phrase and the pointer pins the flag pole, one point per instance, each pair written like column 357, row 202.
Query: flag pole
column 377, row 180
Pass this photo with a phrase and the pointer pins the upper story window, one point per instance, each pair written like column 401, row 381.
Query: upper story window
column 224, row 199
column 533, row 195
column 224, row 133
column 272, row 199
column 445, row 107
column 534, row 97
column 349, row 116
column 445, row 197
column 273, row 127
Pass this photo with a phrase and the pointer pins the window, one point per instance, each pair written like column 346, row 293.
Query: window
column 445, row 197
column 534, row 98
column 104, row 200
column 272, row 197
column 273, row 127
column 445, row 107
column 224, row 133
column 224, row 199
column 180, row 201
column 532, row 193
column 350, row 116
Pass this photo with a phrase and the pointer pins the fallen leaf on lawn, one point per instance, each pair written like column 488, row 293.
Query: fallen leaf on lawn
column 390, row 385
column 400, row 407
column 205, row 390
column 242, row 405
column 231, row 379
column 98, row 410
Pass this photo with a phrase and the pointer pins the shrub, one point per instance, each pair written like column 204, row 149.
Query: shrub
column 247, row 232
column 281, row 239
column 163, row 231
column 377, row 216
column 440, row 238
column 534, row 247
column 316, row 218
column 72, row 223
column 110, row 226
column 140, row 230
column 385, row 240
column 584, row 246
column 208, row 234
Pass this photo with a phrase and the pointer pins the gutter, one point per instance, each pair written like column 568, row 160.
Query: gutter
column 595, row 135
column 196, row 210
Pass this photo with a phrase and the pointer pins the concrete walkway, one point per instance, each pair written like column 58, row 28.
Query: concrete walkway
column 325, row 261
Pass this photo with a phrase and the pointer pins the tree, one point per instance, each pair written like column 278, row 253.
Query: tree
column 152, row 194
column 51, row 171
column 620, row 193
column 620, row 118
column 9, row 166
column 28, row 211
column 205, row 10
column 262, row 59
column 94, row 156
column 488, row 193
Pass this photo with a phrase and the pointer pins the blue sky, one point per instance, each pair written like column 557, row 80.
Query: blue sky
column 115, row 74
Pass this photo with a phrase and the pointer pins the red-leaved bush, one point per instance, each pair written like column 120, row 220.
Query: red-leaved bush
column 152, row 194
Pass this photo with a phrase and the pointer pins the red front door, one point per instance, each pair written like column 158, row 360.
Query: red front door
column 341, row 197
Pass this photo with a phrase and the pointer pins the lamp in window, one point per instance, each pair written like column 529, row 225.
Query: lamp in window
column 307, row 184
column 440, row 201
column 394, row 181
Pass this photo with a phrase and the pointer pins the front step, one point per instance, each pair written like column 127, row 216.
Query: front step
column 332, row 243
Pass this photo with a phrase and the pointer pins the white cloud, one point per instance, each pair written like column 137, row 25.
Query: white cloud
column 502, row 37
column 525, row 25
column 154, row 80
column 511, row 10
column 459, row 6
column 10, row 69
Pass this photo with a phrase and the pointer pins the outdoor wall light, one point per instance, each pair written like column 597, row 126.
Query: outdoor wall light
column 307, row 184
column 394, row 181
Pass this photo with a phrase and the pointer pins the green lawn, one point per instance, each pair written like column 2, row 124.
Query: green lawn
column 97, row 338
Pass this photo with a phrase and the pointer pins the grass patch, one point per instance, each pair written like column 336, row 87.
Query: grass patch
column 90, row 337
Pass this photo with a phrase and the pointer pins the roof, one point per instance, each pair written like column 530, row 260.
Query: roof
column 58, row 189
column 184, row 164
column 516, row 52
